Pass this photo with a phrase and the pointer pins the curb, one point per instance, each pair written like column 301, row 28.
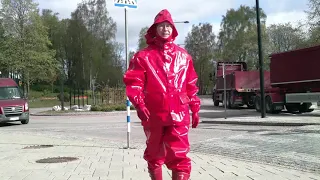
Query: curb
column 266, row 123
column 79, row 113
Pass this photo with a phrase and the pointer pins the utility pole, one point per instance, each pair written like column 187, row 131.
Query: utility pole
column 262, row 105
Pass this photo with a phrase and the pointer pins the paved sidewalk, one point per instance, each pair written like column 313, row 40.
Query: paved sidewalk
column 109, row 161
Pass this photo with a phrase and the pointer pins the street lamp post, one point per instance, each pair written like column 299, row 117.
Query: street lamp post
column 262, row 104
column 184, row 22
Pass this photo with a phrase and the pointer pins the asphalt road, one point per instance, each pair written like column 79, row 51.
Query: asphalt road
column 296, row 147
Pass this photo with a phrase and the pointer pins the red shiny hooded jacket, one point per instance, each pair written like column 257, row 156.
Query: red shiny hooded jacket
column 162, row 77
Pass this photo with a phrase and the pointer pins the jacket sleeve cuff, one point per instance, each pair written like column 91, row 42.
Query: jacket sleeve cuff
column 137, row 101
column 195, row 104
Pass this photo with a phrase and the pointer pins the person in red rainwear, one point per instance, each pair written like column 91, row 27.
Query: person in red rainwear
column 161, row 84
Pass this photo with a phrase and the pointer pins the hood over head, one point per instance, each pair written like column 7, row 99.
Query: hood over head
column 162, row 16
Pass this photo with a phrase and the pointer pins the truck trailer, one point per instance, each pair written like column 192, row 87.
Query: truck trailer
column 241, row 84
column 293, row 82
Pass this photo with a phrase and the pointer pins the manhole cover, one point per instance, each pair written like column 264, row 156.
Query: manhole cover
column 38, row 146
column 56, row 160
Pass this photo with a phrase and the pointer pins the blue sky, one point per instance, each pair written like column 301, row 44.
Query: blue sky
column 278, row 11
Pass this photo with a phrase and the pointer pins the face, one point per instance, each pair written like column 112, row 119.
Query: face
column 164, row 29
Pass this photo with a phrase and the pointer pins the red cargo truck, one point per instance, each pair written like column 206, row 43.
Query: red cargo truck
column 294, row 81
column 241, row 84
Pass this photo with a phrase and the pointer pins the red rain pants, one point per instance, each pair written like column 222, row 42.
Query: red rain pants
column 168, row 145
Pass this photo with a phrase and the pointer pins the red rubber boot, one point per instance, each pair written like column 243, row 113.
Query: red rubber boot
column 156, row 174
column 180, row 175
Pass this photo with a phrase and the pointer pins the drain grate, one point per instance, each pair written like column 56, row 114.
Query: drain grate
column 38, row 146
column 57, row 160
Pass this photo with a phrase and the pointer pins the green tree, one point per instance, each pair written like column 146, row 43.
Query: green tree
column 77, row 49
column 38, row 50
column 314, row 38
column 238, row 35
column 27, row 45
column 92, row 54
column 314, row 22
column 3, row 58
column 15, row 16
column 284, row 37
column 200, row 43
column 314, row 13
column 101, row 30
column 131, row 54
column 57, row 32
column 142, row 40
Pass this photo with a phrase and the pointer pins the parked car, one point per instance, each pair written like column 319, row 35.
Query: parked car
column 13, row 104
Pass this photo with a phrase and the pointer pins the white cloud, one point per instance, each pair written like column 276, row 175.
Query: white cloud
column 64, row 8
column 294, row 17
column 181, row 10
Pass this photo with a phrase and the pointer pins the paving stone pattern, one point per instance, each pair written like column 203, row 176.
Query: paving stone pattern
column 96, row 162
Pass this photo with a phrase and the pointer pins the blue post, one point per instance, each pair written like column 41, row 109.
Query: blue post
column 128, row 122
column 127, row 64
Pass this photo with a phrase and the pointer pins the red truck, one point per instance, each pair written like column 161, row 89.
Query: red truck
column 241, row 84
column 292, row 83
column 13, row 105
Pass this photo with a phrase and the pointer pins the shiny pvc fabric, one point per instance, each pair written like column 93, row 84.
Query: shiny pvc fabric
column 162, row 77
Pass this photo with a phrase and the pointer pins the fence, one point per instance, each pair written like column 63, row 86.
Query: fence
column 107, row 95
column 77, row 97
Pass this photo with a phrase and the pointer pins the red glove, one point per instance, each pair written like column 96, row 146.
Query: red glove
column 143, row 112
column 195, row 120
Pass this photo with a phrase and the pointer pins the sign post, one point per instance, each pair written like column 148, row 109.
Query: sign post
column 224, row 90
column 127, row 4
